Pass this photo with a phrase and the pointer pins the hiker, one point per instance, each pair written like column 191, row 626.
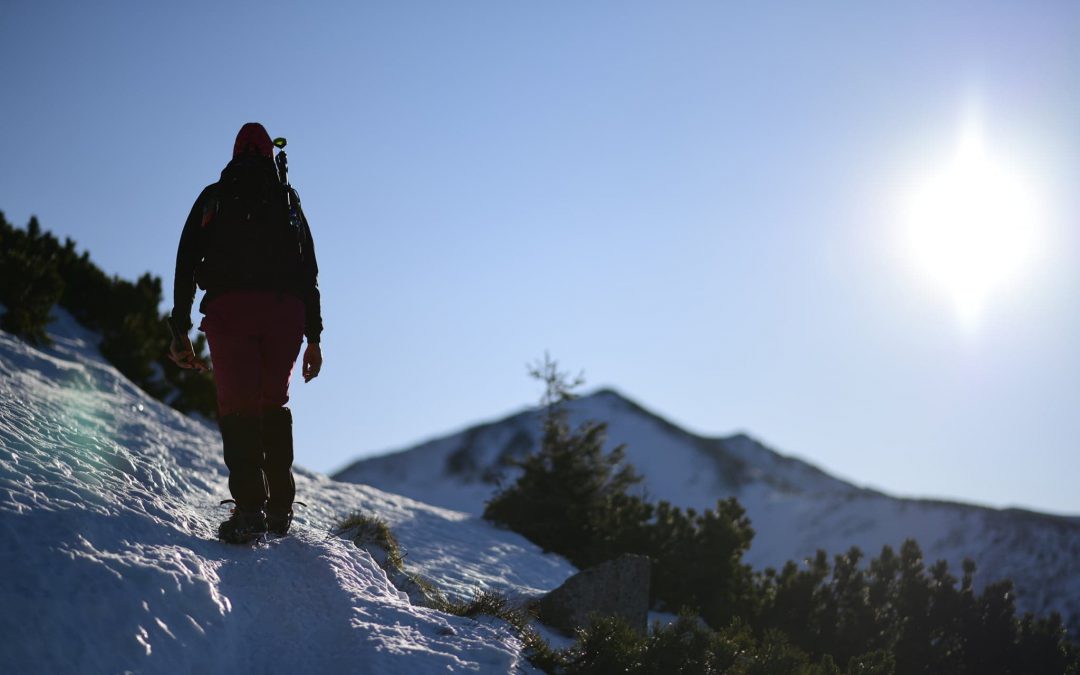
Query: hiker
column 256, row 262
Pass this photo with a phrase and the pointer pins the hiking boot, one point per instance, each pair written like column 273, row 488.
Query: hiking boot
column 242, row 527
column 277, row 446
column 240, row 438
column 278, row 523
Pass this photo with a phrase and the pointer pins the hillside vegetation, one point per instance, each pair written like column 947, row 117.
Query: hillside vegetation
column 38, row 272
column 894, row 615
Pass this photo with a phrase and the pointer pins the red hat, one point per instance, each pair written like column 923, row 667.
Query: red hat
column 253, row 139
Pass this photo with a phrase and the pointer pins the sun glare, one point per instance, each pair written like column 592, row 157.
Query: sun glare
column 973, row 226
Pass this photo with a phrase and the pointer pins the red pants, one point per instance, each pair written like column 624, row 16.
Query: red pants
column 254, row 339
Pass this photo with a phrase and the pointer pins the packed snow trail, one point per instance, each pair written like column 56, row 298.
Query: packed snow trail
column 108, row 562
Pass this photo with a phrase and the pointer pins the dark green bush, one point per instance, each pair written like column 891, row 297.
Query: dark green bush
column 574, row 498
column 29, row 282
column 686, row 647
column 697, row 561
column 571, row 496
column 897, row 611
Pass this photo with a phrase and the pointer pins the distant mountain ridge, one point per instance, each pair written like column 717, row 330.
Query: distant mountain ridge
column 795, row 507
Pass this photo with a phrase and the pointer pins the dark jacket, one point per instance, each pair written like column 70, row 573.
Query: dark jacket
column 192, row 250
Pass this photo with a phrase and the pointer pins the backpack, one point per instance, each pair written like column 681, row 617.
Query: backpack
column 249, row 241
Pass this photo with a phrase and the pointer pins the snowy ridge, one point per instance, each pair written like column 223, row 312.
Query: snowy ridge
column 794, row 507
column 108, row 508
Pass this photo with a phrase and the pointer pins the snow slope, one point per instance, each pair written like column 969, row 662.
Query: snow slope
column 108, row 505
column 795, row 508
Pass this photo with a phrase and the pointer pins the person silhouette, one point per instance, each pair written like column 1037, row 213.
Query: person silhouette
column 256, row 261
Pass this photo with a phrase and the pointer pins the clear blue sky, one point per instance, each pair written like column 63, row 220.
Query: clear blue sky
column 697, row 203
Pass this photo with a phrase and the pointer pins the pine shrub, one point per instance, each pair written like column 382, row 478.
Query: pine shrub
column 897, row 613
column 697, row 561
column 571, row 497
column 687, row 647
column 29, row 281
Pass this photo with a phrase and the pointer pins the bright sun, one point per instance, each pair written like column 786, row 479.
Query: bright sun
column 972, row 228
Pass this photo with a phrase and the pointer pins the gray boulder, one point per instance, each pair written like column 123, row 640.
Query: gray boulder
column 618, row 587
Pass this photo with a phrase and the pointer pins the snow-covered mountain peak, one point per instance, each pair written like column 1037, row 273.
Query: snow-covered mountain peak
column 459, row 471
column 795, row 508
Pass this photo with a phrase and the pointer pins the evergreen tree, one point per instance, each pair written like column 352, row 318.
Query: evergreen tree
column 698, row 561
column 571, row 496
column 900, row 614
column 29, row 282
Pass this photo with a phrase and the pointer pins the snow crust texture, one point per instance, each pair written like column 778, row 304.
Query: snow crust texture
column 108, row 561
column 795, row 508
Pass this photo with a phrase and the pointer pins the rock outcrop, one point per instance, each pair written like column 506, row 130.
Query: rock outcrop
column 618, row 587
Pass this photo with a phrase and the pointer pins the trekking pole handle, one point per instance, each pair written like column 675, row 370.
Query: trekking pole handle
column 282, row 161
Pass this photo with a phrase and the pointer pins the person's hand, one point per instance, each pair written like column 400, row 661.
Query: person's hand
column 182, row 354
column 312, row 361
